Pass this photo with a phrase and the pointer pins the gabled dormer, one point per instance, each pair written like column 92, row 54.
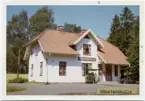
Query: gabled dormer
column 87, row 44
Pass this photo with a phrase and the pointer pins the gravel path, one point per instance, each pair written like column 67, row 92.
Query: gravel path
column 55, row 89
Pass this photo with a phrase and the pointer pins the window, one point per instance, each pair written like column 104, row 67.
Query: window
column 86, row 49
column 62, row 68
column 41, row 68
column 116, row 70
column 85, row 68
column 31, row 70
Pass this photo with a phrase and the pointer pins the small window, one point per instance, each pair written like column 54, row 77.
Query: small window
column 41, row 68
column 86, row 49
column 31, row 70
column 116, row 70
column 62, row 68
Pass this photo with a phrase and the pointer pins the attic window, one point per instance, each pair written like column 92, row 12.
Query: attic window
column 87, row 49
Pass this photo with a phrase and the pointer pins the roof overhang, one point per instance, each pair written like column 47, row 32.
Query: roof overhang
column 64, row 54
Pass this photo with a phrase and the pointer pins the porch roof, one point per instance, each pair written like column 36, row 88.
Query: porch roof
column 110, row 54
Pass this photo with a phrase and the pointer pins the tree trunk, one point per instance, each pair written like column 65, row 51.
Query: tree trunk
column 18, row 63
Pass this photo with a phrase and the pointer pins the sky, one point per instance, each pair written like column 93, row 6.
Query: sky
column 96, row 18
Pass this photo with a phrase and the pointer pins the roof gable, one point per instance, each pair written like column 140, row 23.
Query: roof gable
column 89, row 32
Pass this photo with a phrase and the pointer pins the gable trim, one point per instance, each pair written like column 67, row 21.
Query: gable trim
column 40, row 45
column 102, row 58
column 86, row 33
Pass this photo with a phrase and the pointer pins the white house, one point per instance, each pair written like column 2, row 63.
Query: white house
column 56, row 56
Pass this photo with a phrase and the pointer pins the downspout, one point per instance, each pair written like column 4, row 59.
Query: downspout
column 47, row 67
column 47, row 71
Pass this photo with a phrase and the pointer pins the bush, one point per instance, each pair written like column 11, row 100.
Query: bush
column 18, row 80
column 90, row 78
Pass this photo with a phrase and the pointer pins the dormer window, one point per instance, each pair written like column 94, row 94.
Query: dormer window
column 87, row 49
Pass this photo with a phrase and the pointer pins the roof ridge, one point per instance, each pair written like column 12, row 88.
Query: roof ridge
column 68, row 32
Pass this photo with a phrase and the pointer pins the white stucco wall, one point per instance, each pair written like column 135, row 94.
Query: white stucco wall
column 73, row 69
column 35, row 60
column 51, row 67
column 79, row 48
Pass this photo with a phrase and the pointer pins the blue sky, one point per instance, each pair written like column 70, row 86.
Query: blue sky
column 97, row 18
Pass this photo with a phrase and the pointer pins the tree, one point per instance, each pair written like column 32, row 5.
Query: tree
column 115, row 31
column 41, row 20
column 127, row 23
column 121, row 33
column 133, row 51
column 72, row 28
column 125, row 35
column 17, row 36
column 133, row 58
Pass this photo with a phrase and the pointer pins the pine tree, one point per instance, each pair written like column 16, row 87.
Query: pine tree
column 115, row 31
column 125, row 35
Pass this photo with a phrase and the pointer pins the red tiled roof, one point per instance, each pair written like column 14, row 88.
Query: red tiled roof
column 111, row 54
column 58, row 42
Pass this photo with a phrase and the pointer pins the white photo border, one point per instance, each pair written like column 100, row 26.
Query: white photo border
column 70, row 2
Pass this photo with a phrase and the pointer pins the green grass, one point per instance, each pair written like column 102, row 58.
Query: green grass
column 12, row 76
column 14, row 89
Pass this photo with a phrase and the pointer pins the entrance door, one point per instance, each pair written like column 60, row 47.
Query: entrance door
column 108, row 72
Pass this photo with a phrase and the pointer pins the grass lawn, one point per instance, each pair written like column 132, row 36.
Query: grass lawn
column 14, row 89
column 12, row 76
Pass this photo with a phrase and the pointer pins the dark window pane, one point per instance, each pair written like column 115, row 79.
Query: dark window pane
column 116, row 70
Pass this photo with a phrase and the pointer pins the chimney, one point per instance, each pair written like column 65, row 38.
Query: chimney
column 60, row 28
column 83, row 30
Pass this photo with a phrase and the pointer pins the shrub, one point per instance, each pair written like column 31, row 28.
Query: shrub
column 18, row 80
column 90, row 78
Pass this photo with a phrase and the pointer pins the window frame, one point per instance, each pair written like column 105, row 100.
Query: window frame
column 62, row 68
column 41, row 68
column 85, row 48
column 85, row 69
